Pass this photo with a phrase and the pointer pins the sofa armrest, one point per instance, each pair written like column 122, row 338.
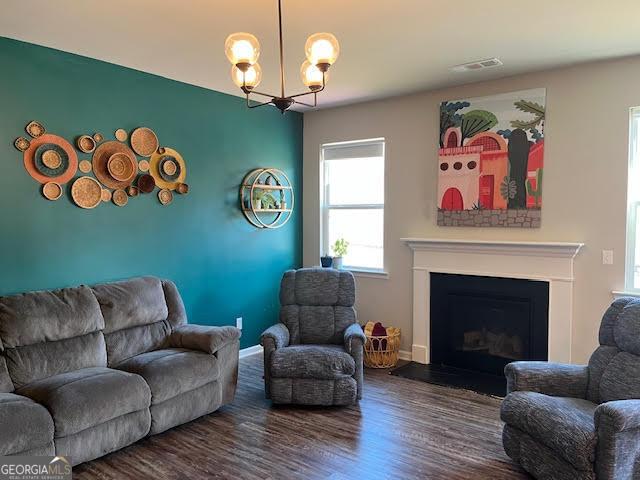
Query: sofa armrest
column 619, row 415
column 556, row 379
column 353, row 333
column 279, row 333
column 618, row 428
column 202, row 337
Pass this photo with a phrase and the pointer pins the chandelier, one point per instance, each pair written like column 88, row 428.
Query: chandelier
column 243, row 49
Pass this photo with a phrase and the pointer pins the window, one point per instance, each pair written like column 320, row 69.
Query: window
column 352, row 189
column 633, row 205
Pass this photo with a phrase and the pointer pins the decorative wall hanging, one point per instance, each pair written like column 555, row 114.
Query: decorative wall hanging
column 85, row 166
column 21, row 143
column 120, row 198
column 86, row 144
column 144, row 141
column 266, row 198
column 243, row 50
column 168, row 168
column 44, row 145
column 52, row 161
column 121, row 135
column 86, row 192
column 35, row 129
column 51, row 191
column 490, row 160
column 104, row 154
column 165, row 196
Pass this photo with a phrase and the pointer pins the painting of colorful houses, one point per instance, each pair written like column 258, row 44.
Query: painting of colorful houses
column 491, row 160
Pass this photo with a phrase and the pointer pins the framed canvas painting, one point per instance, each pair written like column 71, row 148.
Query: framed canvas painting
column 491, row 160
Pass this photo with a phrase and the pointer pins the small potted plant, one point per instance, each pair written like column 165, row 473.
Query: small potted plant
column 339, row 251
column 326, row 261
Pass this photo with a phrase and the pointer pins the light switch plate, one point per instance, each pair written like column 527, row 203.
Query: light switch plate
column 607, row 257
column 239, row 323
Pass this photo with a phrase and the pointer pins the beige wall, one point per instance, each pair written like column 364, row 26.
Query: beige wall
column 584, row 195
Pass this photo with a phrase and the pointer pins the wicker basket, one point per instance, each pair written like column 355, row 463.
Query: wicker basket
column 382, row 351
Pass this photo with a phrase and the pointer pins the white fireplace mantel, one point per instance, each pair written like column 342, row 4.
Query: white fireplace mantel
column 551, row 262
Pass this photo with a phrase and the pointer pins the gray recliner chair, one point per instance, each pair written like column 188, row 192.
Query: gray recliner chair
column 314, row 355
column 580, row 421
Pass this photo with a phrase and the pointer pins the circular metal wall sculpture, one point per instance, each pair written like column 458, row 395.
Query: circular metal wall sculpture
column 267, row 198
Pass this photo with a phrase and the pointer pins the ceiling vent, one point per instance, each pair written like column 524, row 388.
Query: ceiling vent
column 477, row 65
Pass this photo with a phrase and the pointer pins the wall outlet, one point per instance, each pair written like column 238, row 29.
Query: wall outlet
column 607, row 257
column 239, row 323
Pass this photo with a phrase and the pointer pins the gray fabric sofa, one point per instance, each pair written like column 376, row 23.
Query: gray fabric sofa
column 580, row 421
column 314, row 355
column 85, row 371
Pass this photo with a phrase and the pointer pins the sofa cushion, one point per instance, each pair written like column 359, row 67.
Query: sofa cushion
column 312, row 361
column 84, row 398
column 621, row 378
column 24, row 425
column 48, row 316
column 6, row 385
column 41, row 360
column 172, row 371
column 563, row 424
column 130, row 303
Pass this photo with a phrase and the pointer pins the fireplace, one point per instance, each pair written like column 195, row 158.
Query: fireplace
column 482, row 323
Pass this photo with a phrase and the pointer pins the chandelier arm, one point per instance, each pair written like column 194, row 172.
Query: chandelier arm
column 306, row 93
column 281, row 49
column 256, row 105
column 306, row 104
column 249, row 92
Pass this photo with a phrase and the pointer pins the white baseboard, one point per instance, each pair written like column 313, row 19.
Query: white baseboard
column 404, row 355
column 245, row 352
column 254, row 350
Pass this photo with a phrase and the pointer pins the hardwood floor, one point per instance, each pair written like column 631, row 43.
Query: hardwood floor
column 402, row 429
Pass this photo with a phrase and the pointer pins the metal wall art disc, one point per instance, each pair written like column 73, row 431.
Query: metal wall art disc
column 35, row 129
column 51, row 191
column 86, row 192
column 144, row 141
column 155, row 166
column 101, row 158
column 34, row 163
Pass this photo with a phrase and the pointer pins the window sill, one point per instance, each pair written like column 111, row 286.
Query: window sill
column 626, row 293
column 363, row 272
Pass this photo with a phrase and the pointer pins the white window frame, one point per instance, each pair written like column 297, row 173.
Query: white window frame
column 325, row 248
column 633, row 198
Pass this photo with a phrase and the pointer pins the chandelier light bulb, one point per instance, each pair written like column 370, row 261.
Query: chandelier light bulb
column 322, row 50
column 249, row 79
column 242, row 49
column 312, row 76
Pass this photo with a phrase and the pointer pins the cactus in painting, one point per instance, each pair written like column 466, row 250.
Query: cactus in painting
column 536, row 192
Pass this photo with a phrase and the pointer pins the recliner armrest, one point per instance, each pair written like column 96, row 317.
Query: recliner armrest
column 619, row 415
column 353, row 333
column 204, row 338
column 556, row 379
column 279, row 333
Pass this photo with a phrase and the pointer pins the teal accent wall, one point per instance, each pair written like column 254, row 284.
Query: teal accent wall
column 223, row 266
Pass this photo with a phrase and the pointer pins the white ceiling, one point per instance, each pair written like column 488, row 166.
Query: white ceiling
column 388, row 47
